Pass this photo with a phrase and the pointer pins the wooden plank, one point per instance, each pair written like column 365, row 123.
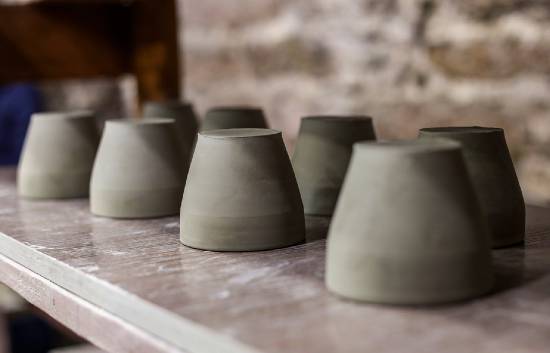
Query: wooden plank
column 270, row 301
column 64, row 40
column 87, row 320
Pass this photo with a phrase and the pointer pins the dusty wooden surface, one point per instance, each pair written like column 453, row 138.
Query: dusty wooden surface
column 271, row 301
column 87, row 320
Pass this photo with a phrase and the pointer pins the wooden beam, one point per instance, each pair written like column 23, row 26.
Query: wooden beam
column 155, row 57
column 64, row 40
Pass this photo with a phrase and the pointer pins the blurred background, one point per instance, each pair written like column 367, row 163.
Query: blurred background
column 407, row 63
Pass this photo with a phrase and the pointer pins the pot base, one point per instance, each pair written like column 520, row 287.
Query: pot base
column 431, row 279
column 135, row 204
column 241, row 234
column 53, row 186
column 246, row 249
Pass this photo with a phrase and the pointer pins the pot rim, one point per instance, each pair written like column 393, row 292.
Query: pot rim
column 169, row 103
column 141, row 121
column 238, row 133
column 337, row 118
column 235, row 108
column 454, row 130
column 408, row 146
column 64, row 115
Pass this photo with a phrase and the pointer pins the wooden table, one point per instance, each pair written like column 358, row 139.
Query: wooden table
column 129, row 286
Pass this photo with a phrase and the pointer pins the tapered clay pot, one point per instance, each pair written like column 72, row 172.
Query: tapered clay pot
column 184, row 115
column 233, row 118
column 322, row 155
column 58, row 155
column 138, row 171
column 241, row 193
column 494, row 177
column 408, row 228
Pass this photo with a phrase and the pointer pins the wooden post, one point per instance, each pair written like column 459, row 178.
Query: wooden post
column 155, row 57
column 68, row 39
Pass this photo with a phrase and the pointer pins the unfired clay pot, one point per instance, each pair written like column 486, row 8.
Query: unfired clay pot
column 322, row 155
column 408, row 228
column 138, row 172
column 233, row 118
column 184, row 115
column 241, row 193
column 494, row 177
column 58, row 155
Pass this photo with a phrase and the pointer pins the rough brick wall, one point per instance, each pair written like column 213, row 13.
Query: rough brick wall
column 408, row 63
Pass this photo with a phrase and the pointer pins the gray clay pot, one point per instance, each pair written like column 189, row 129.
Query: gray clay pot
column 241, row 193
column 58, row 155
column 184, row 115
column 322, row 155
column 494, row 177
column 408, row 228
column 233, row 118
column 138, row 171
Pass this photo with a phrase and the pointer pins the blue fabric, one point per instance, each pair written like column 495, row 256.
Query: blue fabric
column 17, row 103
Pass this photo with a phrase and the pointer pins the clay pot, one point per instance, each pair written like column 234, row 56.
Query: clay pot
column 241, row 193
column 58, row 155
column 408, row 228
column 184, row 115
column 322, row 155
column 233, row 118
column 494, row 177
column 138, row 172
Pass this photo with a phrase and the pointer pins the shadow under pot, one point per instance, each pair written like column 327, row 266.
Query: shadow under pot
column 492, row 171
column 408, row 228
column 58, row 155
column 233, row 118
column 321, row 157
column 184, row 115
column 241, row 193
column 138, row 172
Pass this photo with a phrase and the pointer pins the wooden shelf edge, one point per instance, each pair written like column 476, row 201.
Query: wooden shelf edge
column 84, row 318
column 90, row 307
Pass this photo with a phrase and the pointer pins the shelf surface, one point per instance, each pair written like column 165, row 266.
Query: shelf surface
column 268, row 301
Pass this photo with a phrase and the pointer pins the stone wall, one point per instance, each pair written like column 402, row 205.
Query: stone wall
column 408, row 63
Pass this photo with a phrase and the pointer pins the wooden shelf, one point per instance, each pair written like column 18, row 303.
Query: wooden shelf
column 130, row 286
column 80, row 39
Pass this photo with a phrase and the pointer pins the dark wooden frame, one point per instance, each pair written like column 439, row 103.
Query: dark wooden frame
column 63, row 39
